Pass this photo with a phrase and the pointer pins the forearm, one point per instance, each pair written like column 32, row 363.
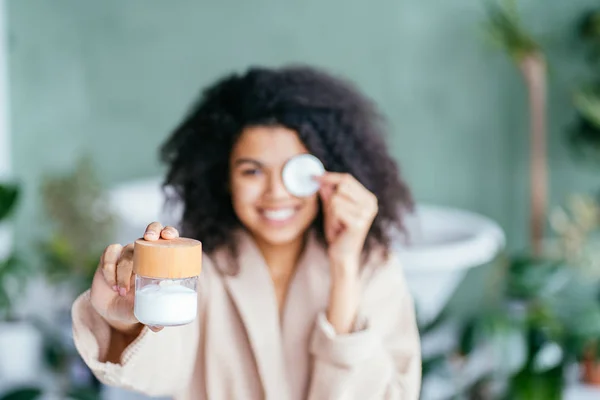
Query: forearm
column 343, row 298
column 370, row 353
column 133, row 361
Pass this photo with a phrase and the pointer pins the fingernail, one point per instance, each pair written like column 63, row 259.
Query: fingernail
column 115, row 288
column 122, row 291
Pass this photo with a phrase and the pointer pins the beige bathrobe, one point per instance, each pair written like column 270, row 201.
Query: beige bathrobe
column 239, row 347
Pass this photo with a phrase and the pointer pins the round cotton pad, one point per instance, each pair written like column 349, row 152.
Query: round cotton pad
column 298, row 175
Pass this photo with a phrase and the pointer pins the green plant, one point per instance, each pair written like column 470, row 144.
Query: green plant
column 540, row 316
column 81, row 223
column 542, row 322
column 61, row 357
column 584, row 132
column 589, row 31
column 577, row 226
column 25, row 393
column 36, row 393
column 14, row 273
column 9, row 194
column 506, row 31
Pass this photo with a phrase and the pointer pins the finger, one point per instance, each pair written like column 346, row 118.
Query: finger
column 121, row 308
column 331, row 178
column 345, row 210
column 169, row 233
column 346, row 184
column 350, row 215
column 125, row 270
column 326, row 191
column 108, row 262
column 347, row 194
column 153, row 231
column 355, row 191
column 155, row 328
column 365, row 201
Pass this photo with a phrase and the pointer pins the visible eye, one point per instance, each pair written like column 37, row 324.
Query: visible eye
column 251, row 172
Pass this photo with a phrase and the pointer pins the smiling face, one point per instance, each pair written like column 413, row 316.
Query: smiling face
column 260, row 200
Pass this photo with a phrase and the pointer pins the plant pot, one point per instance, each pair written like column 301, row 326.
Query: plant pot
column 590, row 365
column 591, row 371
column 21, row 352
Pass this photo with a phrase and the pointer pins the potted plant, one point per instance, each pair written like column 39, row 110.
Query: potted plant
column 507, row 32
column 20, row 341
column 81, row 223
column 591, row 366
column 578, row 229
column 540, row 317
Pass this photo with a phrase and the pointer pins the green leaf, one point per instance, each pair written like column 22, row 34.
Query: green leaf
column 433, row 363
column 506, row 31
column 584, row 140
column 14, row 274
column 587, row 102
column 5, row 302
column 15, row 267
column 528, row 385
column 529, row 277
column 28, row 393
column 467, row 339
column 589, row 27
column 81, row 222
column 8, row 198
column 83, row 394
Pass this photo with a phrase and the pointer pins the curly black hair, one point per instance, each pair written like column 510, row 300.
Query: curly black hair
column 334, row 121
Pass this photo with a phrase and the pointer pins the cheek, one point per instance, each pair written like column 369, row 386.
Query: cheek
column 245, row 193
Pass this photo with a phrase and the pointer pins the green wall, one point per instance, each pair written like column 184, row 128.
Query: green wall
column 112, row 78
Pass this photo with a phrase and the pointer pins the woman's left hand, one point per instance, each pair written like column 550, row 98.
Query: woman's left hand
column 348, row 210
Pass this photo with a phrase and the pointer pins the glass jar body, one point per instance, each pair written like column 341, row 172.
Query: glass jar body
column 165, row 302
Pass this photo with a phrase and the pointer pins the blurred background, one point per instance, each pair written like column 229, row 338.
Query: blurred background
column 494, row 114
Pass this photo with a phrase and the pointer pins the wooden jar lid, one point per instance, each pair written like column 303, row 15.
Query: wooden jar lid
column 167, row 258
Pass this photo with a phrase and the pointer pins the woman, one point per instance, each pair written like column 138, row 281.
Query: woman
column 300, row 297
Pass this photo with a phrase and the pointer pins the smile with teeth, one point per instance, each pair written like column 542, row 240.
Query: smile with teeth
column 281, row 214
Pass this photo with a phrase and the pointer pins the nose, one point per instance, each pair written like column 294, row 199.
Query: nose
column 275, row 187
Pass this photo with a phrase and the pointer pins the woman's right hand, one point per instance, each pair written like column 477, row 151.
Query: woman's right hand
column 112, row 291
